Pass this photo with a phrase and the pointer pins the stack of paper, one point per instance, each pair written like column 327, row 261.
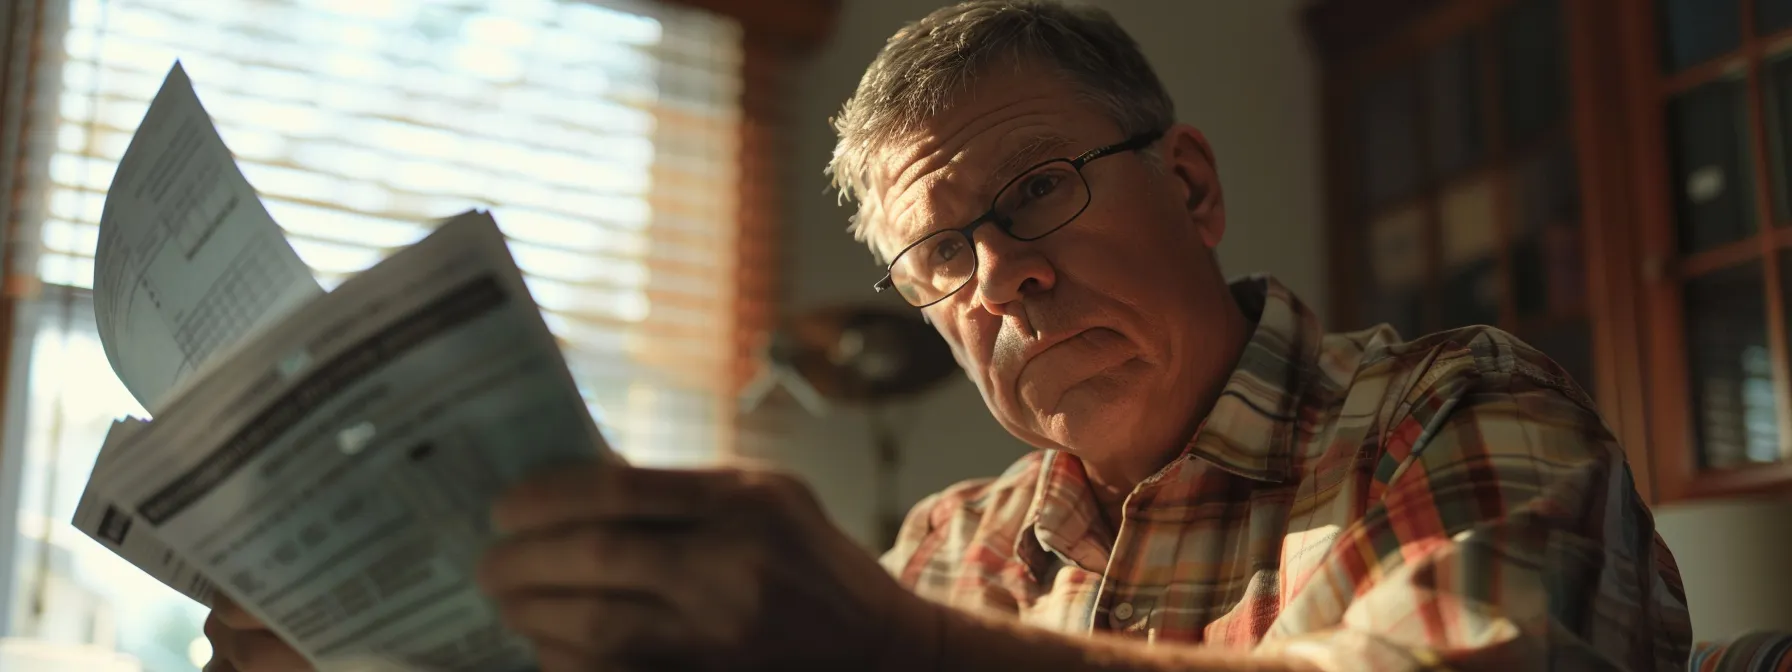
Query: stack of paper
column 325, row 460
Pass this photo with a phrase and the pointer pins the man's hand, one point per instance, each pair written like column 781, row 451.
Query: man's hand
column 240, row 643
column 615, row 567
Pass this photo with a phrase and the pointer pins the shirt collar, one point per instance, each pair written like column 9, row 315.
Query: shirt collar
column 1251, row 431
column 1064, row 521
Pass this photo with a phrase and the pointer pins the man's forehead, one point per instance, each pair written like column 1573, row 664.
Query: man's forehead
column 929, row 177
column 1030, row 150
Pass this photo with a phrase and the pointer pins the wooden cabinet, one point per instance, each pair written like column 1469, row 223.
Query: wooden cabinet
column 1611, row 180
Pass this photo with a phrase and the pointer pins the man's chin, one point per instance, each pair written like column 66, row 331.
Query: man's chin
column 1092, row 413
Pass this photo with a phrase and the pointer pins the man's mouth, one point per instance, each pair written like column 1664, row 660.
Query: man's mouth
column 1072, row 358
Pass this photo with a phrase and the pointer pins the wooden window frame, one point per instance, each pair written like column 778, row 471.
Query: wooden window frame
column 776, row 35
column 1665, row 270
column 21, row 41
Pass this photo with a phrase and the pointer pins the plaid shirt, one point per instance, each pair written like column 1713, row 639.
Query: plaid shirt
column 1364, row 503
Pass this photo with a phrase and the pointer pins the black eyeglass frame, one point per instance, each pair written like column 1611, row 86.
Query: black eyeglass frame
column 1077, row 162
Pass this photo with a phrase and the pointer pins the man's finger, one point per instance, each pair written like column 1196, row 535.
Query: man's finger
column 223, row 640
column 251, row 650
column 599, row 556
column 605, row 628
column 553, row 658
column 598, row 491
column 260, row 650
column 234, row 615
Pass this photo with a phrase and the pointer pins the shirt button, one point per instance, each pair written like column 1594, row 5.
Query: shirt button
column 1123, row 611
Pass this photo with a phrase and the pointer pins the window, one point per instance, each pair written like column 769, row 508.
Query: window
column 1720, row 86
column 604, row 136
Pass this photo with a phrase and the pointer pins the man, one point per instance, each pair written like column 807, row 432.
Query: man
column 1218, row 485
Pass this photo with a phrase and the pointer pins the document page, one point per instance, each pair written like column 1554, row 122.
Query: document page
column 188, row 260
column 109, row 521
column 336, row 478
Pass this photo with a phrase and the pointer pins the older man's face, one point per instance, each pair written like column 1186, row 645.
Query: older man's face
column 1101, row 337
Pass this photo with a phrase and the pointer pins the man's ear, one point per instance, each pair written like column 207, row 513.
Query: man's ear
column 1189, row 160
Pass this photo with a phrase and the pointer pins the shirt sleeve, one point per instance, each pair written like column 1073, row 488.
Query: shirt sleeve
column 1759, row 651
column 1503, row 532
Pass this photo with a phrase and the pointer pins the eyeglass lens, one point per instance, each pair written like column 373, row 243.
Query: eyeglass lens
column 1030, row 207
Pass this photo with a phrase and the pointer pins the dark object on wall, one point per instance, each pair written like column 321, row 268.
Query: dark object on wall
column 859, row 356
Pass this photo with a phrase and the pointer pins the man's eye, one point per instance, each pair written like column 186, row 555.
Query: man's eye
column 1039, row 186
column 947, row 249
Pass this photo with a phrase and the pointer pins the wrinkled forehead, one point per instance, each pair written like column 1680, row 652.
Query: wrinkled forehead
column 945, row 171
column 931, row 180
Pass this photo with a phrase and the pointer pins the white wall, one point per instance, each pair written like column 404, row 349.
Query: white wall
column 1238, row 70
column 1733, row 558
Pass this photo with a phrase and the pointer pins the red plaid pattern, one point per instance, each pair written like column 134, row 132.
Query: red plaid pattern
column 1361, row 502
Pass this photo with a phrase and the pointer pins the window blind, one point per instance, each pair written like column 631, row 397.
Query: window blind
column 604, row 136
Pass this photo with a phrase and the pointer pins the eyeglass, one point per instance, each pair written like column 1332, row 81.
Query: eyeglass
column 1033, row 205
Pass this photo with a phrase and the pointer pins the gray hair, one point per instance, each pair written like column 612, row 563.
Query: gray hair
column 927, row 63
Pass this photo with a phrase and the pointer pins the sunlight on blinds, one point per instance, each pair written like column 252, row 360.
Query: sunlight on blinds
column 604, row 136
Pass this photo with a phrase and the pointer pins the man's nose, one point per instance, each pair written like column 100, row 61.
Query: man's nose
column 1009, row 270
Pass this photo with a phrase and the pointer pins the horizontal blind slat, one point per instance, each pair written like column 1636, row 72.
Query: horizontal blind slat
column 663, row 270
